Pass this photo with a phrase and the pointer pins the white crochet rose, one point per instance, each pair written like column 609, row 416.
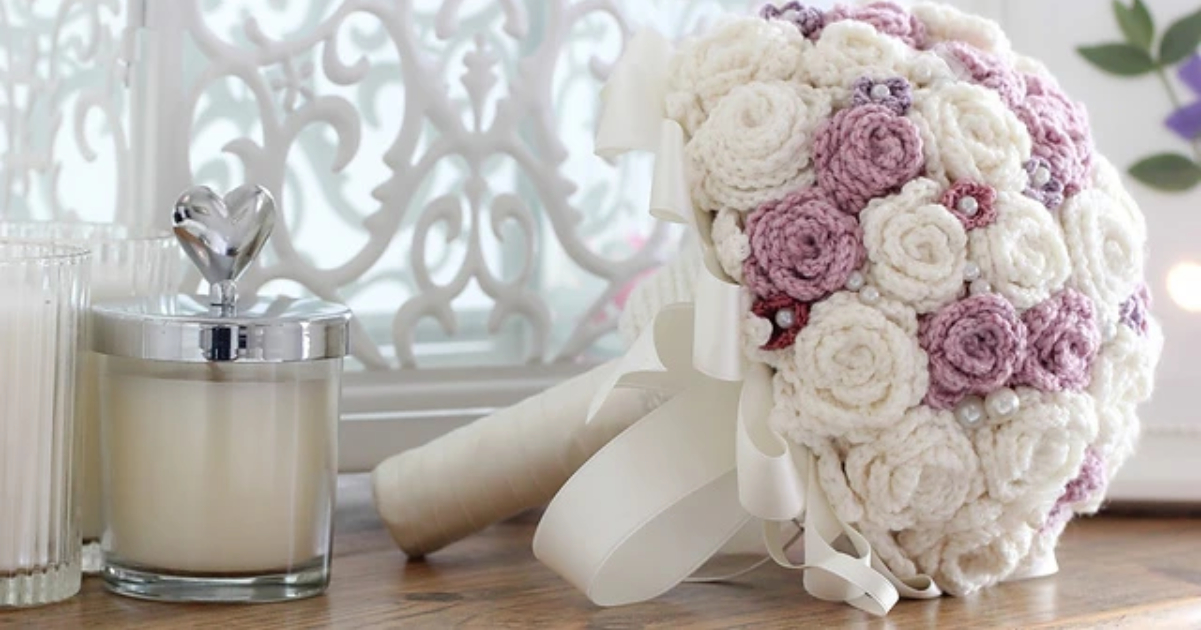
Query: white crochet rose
column 743, row 50
column 916, row 248
column 920, row 471
column 978, row 548
column 1022, row 255
column 1122, row 378
column 968, row 134
column 756, row 145
column 946, row 23
column 1028, row 458
column 1105, row 249
column 853, row 368
column 848, row 50
column 1106, row 178
column 730, row 242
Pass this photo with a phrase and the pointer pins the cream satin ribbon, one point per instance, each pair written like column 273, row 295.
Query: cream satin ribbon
column 667, row 494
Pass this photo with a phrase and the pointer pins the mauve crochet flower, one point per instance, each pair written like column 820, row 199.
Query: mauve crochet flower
column 866, row 152
column 809, row 20
column 1133, row 312
column 900, row 94
column 769, row 308
column 802, row 247
column 1090, row 481
column 1049, row 194
column 986, row 204
column 1059, row 132
column 1062, row 342
column 888, row 18
column 974, row 345
column 984, row 69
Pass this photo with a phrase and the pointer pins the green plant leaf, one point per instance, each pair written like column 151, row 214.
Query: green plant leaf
column 1170, row 172
column 1181, row 39
column 1136, row 23
column 1120, row 59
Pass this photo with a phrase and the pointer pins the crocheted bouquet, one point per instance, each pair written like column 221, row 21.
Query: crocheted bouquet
column 944, row 275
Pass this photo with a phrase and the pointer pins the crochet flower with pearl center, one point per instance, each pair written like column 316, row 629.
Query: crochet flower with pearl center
column 944, row 275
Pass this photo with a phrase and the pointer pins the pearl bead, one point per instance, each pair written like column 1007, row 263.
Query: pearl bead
column 979, row 286
column 785, row 318
column 870, row 295
column 1002, row 403
column 855, row 281
column 970, row 411
column 968, row 206
column 971, row 271
column 1041, row 176
column 880, row 92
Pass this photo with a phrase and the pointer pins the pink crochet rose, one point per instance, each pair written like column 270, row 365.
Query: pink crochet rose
column 866, row 152
column 1133, row 312
column 808, row 20
column 888, row 18
column 1050, row 191
column 802, row 247
column 898, row 98
column 973, row 345
column 981, row 211
column 1090, row 481
column 784, row 328
column 1058, row 129
column 984, row 69
column 1062, row 342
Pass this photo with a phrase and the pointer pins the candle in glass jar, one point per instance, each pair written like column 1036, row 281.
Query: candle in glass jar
column 219, row 432
column 125, row 262
column 43, row 293
column 220, row 469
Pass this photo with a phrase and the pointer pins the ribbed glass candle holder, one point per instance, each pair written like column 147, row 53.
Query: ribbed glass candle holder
column 43, row 298
column 126, row 262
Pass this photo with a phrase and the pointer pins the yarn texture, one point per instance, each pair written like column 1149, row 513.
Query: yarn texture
column 916, row 248
column 944, row 276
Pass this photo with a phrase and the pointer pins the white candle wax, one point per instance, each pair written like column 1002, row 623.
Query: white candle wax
column 27, row 426
column 219, row 468
column 35, row 439
column 91, row 518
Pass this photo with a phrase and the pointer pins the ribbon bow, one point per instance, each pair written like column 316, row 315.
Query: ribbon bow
column 667, row 494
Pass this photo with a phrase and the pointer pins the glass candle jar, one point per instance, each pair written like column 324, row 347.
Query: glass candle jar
column 219, row 429
column 43, row 295
column 125, row 262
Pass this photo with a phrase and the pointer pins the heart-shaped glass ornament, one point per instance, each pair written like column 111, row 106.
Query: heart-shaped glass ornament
column 223, row 235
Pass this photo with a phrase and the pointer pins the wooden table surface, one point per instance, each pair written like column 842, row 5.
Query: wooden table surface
column 1116, row 571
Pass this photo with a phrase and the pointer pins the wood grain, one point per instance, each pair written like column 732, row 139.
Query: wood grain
column 1117, row 571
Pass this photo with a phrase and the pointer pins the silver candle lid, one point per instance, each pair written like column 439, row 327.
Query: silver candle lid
column 222, row 236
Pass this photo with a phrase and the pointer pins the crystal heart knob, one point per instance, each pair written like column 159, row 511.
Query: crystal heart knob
column 223, row 235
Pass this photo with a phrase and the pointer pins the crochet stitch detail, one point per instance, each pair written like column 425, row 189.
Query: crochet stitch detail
column 974, row 345
column 899, row 98
column 984, row 69
column 916, row 249
column 808, row 20
column 1022, row 254
column 888, row 18
column 802, row 247
column 865, row 152
column 986, row 204
column 1062, row 341
column 755, row 147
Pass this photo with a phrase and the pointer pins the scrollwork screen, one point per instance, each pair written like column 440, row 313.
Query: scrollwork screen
column 432, row 160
